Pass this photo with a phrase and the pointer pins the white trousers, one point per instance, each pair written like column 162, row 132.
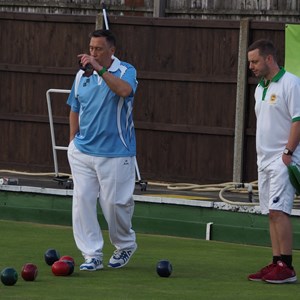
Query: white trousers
column 111, row 181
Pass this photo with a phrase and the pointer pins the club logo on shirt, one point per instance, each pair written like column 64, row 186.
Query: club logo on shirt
column 86, row 82
column 272, row 99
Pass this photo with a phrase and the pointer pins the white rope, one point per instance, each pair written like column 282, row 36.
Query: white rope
column 33, row 174
column 222, row 188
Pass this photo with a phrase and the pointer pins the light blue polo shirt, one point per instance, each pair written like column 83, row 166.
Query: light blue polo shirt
column 105, row 119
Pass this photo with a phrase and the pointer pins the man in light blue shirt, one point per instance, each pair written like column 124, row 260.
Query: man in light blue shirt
column 102, row 152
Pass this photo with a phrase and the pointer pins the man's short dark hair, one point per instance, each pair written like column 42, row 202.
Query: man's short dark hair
column 265, row 47
column 107, row 34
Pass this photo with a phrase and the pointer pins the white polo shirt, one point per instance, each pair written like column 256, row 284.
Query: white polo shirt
column 277, row 106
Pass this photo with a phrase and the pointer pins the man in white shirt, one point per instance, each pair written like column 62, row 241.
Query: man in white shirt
column 277, row 108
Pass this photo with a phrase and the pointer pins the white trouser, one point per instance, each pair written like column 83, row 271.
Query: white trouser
column 113, row 181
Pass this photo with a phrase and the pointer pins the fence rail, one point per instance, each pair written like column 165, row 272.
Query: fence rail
column 271, row 10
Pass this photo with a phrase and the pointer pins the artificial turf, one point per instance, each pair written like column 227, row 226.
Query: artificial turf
column 201, row 269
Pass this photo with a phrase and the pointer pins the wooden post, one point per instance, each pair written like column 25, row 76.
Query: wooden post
column 159, row 8
column 99, row 21
column 240, row 102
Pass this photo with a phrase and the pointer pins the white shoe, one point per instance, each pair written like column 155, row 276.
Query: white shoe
column 120, row 258
column 91, row 264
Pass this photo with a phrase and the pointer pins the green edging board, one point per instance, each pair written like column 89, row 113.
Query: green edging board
column 163, row 219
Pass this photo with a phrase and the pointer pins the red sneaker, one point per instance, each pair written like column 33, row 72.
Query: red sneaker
column 261, row 273
column 281, row 274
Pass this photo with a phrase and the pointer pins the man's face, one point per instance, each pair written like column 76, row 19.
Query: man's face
column 258, row 64
column 101, row 50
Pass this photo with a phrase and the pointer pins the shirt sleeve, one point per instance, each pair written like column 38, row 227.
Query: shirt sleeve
column 294, row 100
column 73, row 101
column 130, row 77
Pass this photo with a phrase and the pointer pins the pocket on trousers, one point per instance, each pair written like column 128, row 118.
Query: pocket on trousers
column 126, row 169
column 71, row 148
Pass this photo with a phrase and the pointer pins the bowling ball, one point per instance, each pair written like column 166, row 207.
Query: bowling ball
column 51, row 256
column 9, row 276
column 60, row 268
column 68, row 258
column 164, row 268
column 29, row 272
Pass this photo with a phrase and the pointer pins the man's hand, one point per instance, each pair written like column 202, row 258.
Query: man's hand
column 88, row 59
column 287, row 159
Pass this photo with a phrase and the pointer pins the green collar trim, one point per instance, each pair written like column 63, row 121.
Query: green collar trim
column 266, row 84
column 296, row 119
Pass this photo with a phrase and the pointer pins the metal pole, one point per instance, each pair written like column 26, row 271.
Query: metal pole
column 54, row 147
column 105, row 15
column 159, row 8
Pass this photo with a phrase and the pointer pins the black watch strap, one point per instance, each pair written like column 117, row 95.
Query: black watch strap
column 287, row 151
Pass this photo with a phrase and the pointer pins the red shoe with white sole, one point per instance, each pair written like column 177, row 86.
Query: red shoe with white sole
column 281, row 274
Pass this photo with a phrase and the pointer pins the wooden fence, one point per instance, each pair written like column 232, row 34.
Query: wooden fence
column 185, row 106
column 271, row 10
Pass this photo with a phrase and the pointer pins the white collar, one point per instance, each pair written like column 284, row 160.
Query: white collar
column 115, row 64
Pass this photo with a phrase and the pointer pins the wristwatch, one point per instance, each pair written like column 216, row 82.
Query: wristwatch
column 287, row 151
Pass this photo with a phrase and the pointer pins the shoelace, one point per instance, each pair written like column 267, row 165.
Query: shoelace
column 124, row 254
column 269, row 267
column 92, row 260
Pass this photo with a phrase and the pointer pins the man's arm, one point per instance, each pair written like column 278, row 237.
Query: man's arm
column 293, row 141
column 117, row 85
column 74, row 124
